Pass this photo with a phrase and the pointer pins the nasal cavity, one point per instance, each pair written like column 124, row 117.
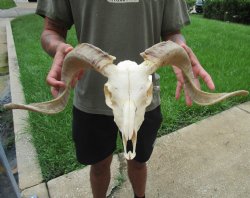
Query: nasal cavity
column 129, row 146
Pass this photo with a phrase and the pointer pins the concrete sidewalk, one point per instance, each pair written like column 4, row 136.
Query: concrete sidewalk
column 21, row 9
column 207, row 159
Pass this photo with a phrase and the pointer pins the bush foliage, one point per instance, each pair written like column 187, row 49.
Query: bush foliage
column 6, row 4
column 228, row 10
column 190, row 3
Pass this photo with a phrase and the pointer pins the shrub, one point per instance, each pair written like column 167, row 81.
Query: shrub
column 6, row 4
column 190, row 4
column 228, row 10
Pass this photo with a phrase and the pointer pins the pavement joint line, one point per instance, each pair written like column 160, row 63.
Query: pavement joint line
column 26, row 188
column 248, row 112
column 122, row 169
column 46, row 185
column 47, row 188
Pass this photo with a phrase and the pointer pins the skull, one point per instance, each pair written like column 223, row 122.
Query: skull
column 128, row 92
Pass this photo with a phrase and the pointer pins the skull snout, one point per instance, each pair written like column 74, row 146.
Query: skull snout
column 129, row 135
column 130, row 146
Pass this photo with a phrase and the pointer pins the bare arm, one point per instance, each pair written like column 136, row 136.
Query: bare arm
column 52, row 36
column 176, row 37
column 53, row 42
column 198, row 70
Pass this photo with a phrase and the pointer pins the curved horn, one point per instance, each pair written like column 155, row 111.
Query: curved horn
column 170, row 53
column 83, row 56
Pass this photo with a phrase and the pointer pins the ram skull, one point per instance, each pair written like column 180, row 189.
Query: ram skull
column 128, row 92
column 129, row 88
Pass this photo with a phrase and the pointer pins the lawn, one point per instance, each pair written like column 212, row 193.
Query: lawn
column 6, row 4
column 222, row 48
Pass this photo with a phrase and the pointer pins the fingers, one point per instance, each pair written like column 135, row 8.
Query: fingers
column 178, row 90
column 207, row 79
column 68, row 48
column 181, row 85
column 54, row 76
column 180, row 82
column 190, row 53
column 54, row 83
column 54, row 91
column 77, row 77
column 178, row 93
column 187, row 97
column 198, row 69
column 80, row 74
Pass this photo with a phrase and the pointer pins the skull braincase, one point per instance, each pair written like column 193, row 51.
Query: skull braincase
column 128, row 92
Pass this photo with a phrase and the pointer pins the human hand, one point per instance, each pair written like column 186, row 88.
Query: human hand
column 54, row 76
column 198, row 71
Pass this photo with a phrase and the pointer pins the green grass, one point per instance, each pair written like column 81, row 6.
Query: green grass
column 51, row 134
column 222, row 48
column 6, row 4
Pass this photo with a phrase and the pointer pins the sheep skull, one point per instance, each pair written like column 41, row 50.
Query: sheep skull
column 128, row 90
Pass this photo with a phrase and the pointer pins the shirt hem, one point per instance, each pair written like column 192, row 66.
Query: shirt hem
column 108, row 112
column 179, row 27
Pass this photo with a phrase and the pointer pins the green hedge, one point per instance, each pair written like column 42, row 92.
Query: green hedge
column 6, row 4
column 190, row 3
column 228, row 10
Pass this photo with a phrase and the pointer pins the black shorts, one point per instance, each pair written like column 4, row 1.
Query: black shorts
column 95, row 136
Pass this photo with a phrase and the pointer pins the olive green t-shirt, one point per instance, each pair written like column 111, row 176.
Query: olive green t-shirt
column 123, row 28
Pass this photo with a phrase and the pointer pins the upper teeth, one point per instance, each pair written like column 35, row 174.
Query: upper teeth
column 129, row 155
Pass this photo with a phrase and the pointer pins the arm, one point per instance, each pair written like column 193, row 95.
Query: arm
column 53, row 35
column 198, row 70
column 53, row 42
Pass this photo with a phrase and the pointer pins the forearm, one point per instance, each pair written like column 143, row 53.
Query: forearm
column 176, row 37
column 50, row 41
column 52, row 36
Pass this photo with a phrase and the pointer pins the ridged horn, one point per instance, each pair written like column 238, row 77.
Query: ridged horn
column 170, row 53
column 83, row 56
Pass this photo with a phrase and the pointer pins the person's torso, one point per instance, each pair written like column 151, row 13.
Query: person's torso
column 124, row 29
